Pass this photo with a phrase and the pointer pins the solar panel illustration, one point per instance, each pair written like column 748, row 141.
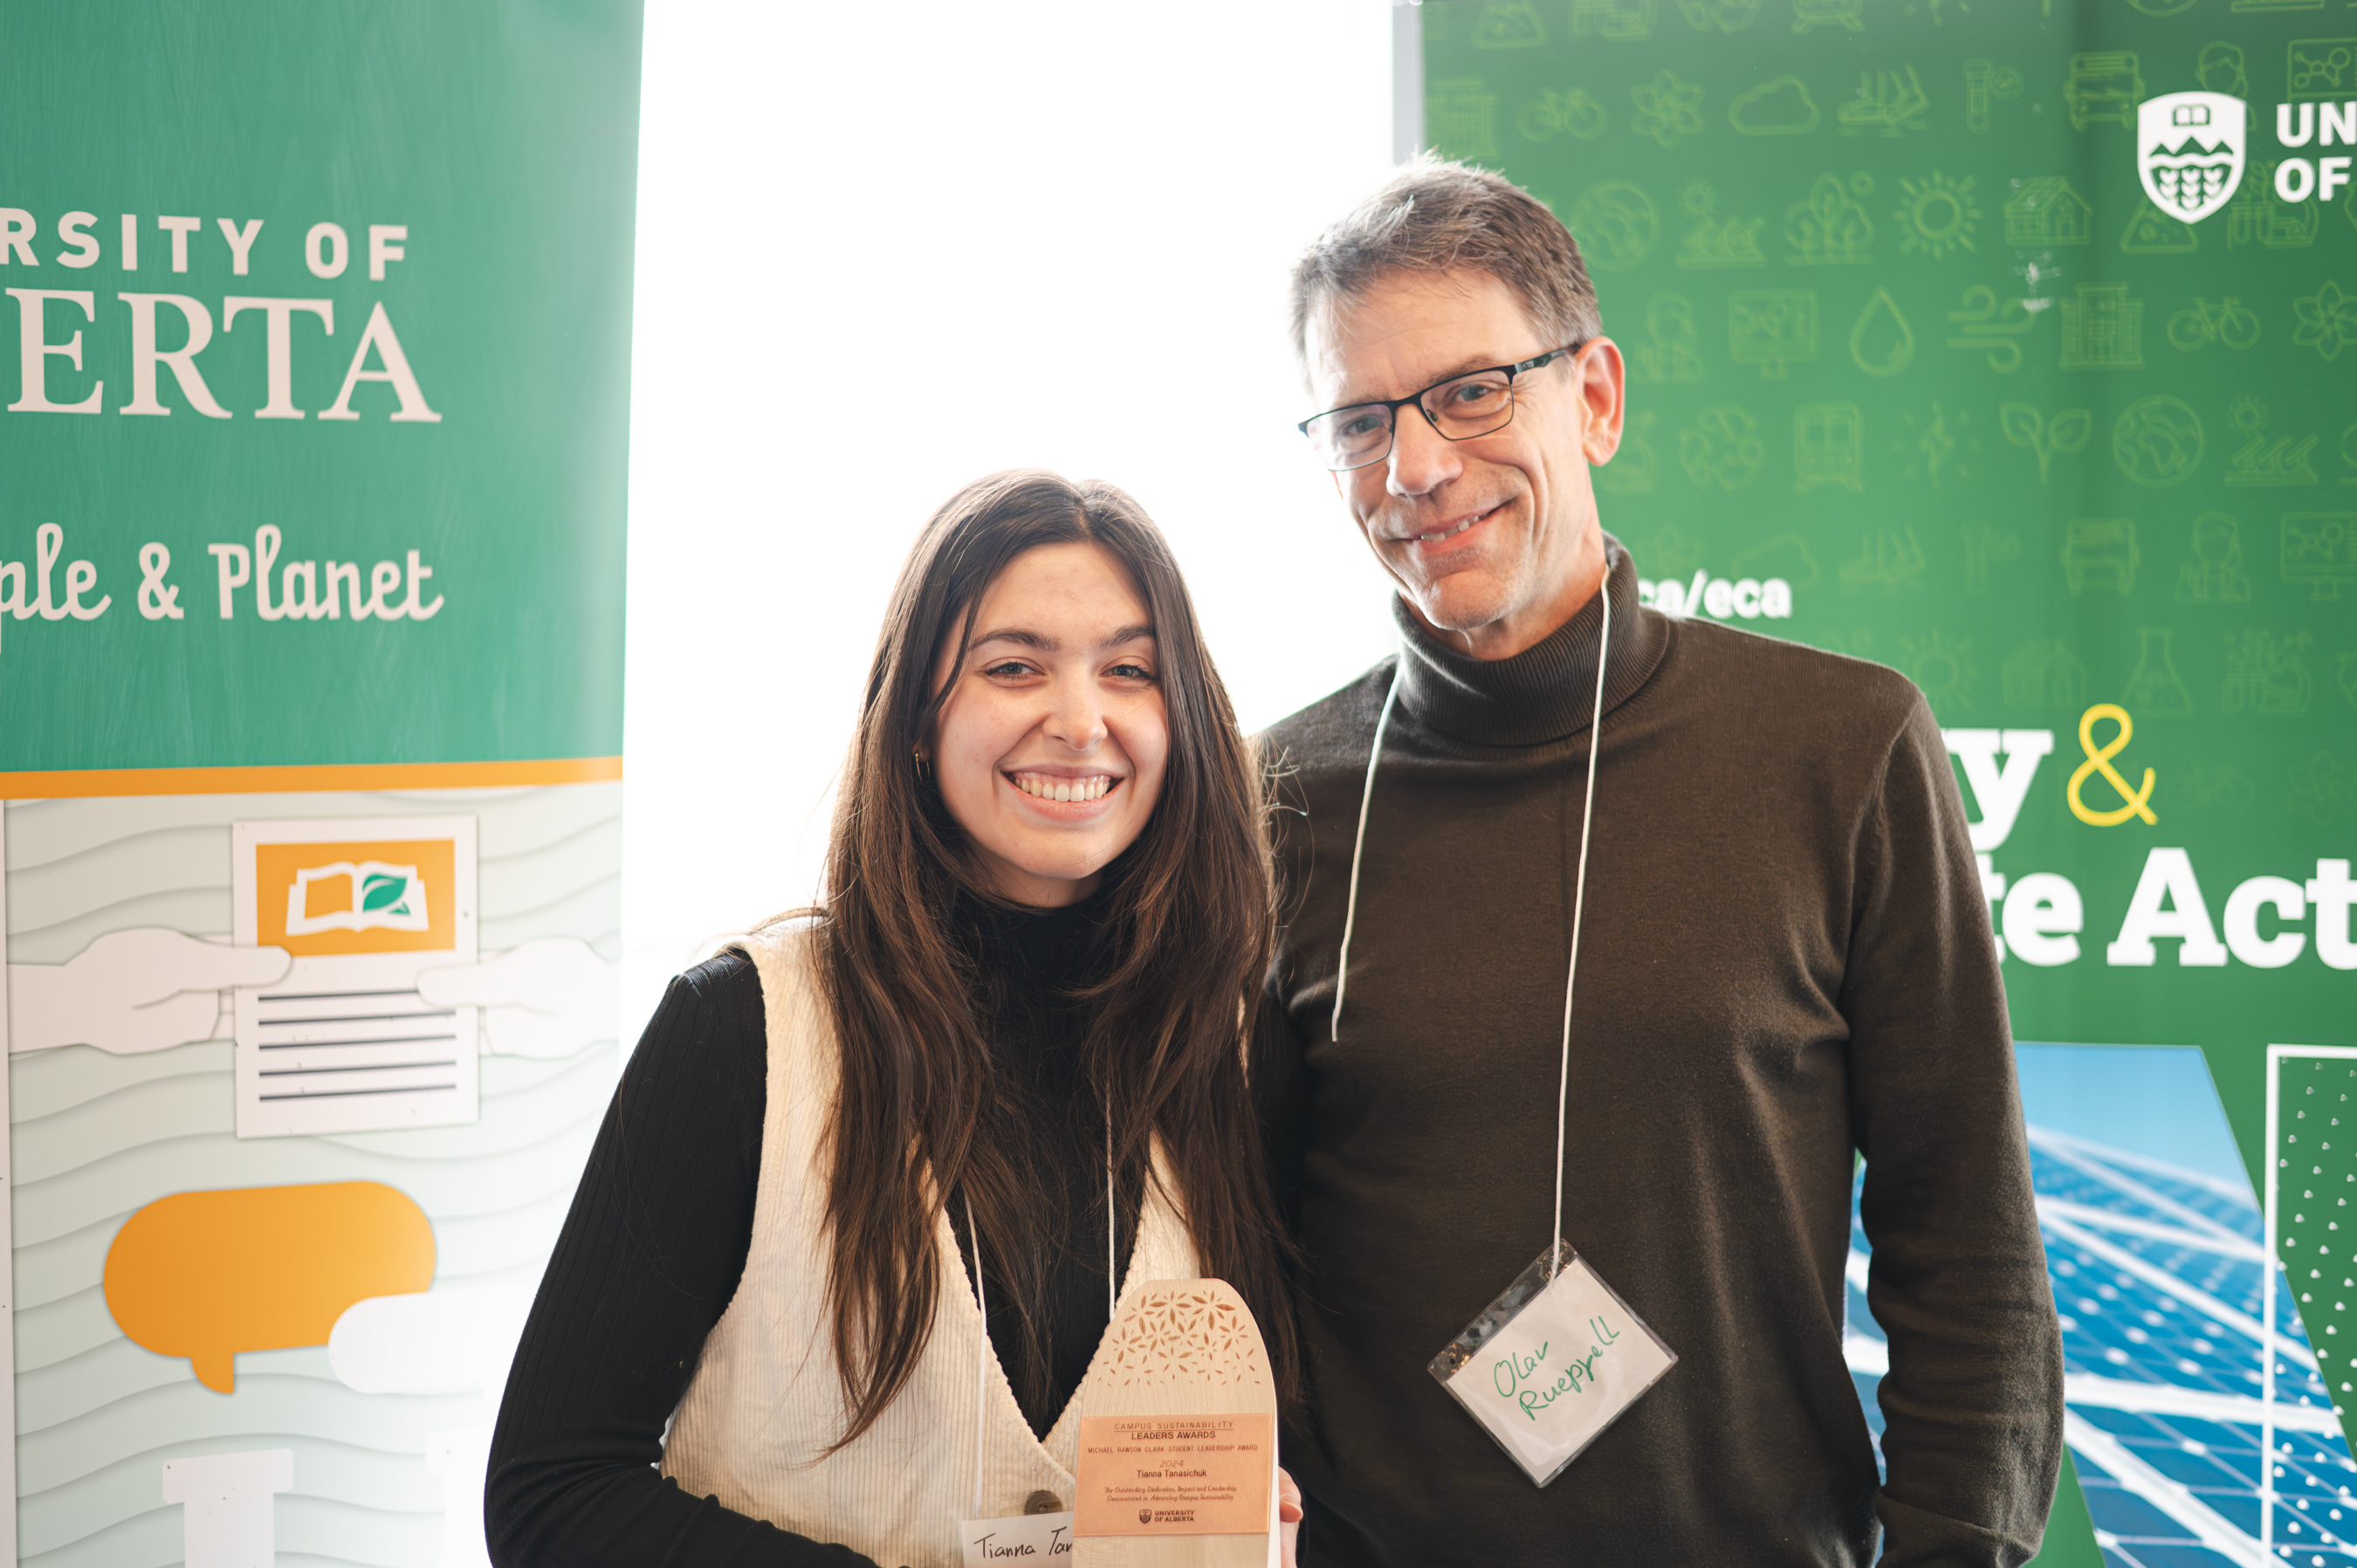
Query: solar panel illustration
column 2157, row 1271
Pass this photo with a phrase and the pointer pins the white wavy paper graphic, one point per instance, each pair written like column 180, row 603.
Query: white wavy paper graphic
column 96, row 1136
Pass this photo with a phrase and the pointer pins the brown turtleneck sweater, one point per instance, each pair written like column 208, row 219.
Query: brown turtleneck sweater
column 1786, row 961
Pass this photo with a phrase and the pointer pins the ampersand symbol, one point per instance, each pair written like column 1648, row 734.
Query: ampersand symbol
column 158, row 600
column 2099, row 760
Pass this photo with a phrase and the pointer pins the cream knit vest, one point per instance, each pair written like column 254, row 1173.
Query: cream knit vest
column 765, row 1402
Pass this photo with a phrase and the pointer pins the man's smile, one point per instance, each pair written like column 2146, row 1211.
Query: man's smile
column 1446, row 531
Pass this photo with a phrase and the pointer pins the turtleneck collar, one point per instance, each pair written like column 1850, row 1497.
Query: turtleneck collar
column 1042, row 950
column 1544, row 693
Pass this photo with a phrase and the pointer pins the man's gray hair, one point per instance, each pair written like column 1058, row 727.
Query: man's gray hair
column 1438, row 216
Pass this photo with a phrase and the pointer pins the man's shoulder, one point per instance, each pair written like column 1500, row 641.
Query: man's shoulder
column 1336, row 726
column 1792, row 685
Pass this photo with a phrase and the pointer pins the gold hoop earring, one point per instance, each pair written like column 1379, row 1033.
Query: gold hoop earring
column 924, row 766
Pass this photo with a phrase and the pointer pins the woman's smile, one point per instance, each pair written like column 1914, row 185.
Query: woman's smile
column 1086, row 789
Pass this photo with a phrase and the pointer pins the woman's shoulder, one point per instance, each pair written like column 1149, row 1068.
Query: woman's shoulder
column 790, row 941
column 715, row 1004
column 706, row 1044
column 776, row 966
column 726, row 974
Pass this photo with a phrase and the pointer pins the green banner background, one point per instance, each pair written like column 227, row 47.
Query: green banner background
column 1882, row 430
column 503, row 138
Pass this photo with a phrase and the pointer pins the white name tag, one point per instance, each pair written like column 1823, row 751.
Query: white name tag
column 1551, row 1363
column 1026, row 1538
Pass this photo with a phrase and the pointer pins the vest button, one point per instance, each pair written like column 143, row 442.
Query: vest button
column 1043, row 1501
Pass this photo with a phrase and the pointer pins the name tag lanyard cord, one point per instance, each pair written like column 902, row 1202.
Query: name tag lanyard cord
column 1579, row 897
column 1519, row 1369
column 982, row 1306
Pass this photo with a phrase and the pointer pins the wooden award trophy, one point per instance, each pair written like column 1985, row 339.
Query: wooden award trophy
column 1178, row 1446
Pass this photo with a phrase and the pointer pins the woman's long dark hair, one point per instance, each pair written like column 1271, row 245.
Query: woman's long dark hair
column 1182, row 941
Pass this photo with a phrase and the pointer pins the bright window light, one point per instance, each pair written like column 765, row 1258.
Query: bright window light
column 1052, row 234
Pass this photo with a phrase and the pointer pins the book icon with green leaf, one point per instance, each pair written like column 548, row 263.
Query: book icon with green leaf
column 355, row 896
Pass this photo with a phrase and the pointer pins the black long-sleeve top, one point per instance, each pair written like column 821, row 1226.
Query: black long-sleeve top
column 1785, row 960
column 655, row 1244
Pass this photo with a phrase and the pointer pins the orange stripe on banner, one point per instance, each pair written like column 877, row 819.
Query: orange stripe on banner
column 340, row 775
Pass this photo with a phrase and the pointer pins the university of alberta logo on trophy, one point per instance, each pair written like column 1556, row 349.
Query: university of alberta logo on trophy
column 2189, row 152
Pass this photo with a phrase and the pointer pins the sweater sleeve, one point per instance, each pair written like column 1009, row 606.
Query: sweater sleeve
column 1973, row 1400
column 649, row 1258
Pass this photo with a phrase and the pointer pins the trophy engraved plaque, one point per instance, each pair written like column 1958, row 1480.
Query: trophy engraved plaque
column 1177, row 1442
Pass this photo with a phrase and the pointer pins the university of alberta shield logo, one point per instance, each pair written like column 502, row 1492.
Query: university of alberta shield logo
column 2189, row 152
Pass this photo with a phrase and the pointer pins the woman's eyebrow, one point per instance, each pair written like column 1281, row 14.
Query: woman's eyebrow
column 1042, row 643
column 1020, row 637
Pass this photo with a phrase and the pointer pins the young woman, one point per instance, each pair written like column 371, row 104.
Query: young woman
column 1046, row 921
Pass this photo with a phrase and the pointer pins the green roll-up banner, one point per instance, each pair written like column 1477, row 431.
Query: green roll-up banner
column 314, row 394
column 2002, row 341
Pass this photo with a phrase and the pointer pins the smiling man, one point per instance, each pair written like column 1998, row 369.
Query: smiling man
column 1782, row 962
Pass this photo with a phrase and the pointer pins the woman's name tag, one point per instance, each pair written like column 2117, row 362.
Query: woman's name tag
column 1024, row 1539
column 1552, row 1363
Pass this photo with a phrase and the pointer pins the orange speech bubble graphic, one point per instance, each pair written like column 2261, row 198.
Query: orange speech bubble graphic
column 206, row 1275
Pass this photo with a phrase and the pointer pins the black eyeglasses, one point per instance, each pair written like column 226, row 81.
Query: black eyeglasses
column 1463, row 406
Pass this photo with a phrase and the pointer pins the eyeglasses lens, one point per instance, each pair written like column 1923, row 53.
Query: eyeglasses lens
column 1474, row 405
column 1360, row 437
column 1353, row 438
